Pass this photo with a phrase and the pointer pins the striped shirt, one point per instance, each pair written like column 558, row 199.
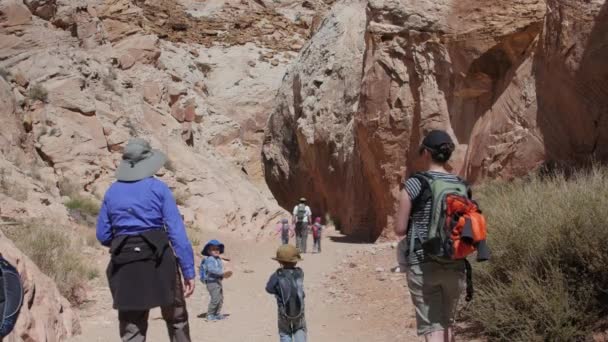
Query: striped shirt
column 421, row 219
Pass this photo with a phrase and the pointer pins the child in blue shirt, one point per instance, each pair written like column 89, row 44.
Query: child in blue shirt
column 212, row 274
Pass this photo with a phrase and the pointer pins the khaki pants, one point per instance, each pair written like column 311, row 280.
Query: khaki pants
column 134, row 324
column 435, row 290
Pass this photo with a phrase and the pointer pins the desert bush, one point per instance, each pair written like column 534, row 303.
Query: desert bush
column 38, row 92
column 83, row 204
column 53, row 252
column 547, row 279
column 205, row 68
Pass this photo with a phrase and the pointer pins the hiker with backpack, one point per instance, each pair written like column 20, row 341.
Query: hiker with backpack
column 442, row 226
column 212, row 274
column 301, row 218
column 11, row 297
column 317, row 228
column 287, row 285
column 151, row 263
column 285, row 230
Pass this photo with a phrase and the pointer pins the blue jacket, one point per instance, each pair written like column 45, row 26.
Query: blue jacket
column 213, row 269
column 131, row 208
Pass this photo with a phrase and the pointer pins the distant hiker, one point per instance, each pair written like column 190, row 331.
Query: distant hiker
column 285, row 230
column 212, row 274
column 287, row 285
column 11, row 297
column 141, row 224
column 301, row 218
column 432, row 259
column 317, row 228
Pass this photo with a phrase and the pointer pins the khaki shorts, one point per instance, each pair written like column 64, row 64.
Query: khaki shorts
column 435, row 290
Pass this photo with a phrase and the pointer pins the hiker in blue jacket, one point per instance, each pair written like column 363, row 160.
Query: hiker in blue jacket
column 140, row 222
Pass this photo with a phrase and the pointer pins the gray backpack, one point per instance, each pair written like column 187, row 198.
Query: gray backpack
column 301, row 212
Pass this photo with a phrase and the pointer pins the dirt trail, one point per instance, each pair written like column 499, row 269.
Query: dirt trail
column 350, row 296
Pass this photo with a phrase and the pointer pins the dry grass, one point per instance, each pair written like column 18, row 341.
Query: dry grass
column 548, row 276
column 10, row 189
column 193, row 233
column 53, row 252
column 181, row 197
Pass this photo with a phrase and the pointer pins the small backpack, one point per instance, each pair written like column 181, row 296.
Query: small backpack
column 11, row 297
column 202, row 270
column 316, row 230
column 291, row 293
column 457, row 226
column 301, row 212
column 285, row 231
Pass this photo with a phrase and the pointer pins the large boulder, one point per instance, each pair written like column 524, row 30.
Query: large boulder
column 45, row 315
column 308, row 147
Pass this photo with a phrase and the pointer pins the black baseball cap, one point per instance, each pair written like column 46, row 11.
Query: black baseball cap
column 434, row 139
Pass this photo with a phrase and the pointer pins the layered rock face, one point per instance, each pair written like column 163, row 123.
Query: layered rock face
column 45, row 314
column 504, row 81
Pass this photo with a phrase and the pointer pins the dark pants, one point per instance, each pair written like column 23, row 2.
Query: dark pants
column 301, row 236
column 134, row 324
column 317, row 244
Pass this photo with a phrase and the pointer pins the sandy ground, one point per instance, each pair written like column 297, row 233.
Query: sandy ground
column 351, row 295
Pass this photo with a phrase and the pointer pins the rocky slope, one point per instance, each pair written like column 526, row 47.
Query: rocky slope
column 516, row 83
column 79, row 78
column 45, row 314
column 197, row 79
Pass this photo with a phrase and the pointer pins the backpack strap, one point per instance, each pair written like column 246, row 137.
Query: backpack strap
column 469, row 279
column 426, row 193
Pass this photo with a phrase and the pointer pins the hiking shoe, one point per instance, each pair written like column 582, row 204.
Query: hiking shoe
column 216, row 317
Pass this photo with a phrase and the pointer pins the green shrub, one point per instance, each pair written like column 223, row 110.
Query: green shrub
column 52, row 251
column 549, row 242
column 84, row 205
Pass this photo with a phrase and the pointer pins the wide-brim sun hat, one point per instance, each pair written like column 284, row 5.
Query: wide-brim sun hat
column 214, row 242
column 288, row 253
column 139, row 161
